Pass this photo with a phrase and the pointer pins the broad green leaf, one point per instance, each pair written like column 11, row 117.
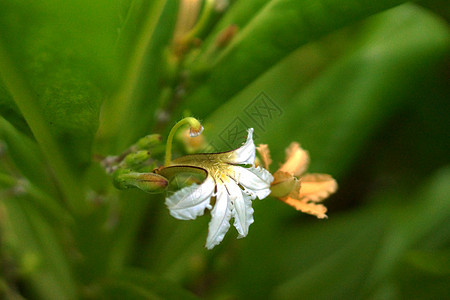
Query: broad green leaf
column 278, row 29
column 58, row 75
column 139, row 284
column 335, row 113
column 64, row 71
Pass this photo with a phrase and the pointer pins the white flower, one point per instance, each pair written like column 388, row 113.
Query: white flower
column 231, row 179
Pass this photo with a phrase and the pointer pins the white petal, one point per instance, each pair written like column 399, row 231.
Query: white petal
column 220, row 217
column 246, row 153
column 191, row 201
column 255, row 180
column 242, row 209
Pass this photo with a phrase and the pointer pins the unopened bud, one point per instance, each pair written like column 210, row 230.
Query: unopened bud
column 136, row 158
column 147, row 182
column 149, row 141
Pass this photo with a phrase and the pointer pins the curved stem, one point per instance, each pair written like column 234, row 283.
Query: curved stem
column 196, row 129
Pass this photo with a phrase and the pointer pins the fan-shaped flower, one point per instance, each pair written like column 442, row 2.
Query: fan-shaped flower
column 232, row 182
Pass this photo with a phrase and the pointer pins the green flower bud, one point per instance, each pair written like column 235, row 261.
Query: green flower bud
column 149, row 141
column 135, row 159
column 147, row 182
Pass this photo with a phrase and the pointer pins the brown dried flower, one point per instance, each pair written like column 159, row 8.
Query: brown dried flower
column 302, row 191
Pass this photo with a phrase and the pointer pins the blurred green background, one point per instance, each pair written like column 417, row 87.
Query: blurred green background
column 362, row 85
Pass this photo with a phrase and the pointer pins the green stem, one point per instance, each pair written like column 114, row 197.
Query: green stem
column 195, row 125
column 28, row 106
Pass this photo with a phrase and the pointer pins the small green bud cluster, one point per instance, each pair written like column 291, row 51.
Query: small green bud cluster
column 133, row 168
column 136, row 168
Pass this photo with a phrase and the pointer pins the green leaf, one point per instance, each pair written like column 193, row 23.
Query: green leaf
column 335, row 113
column 58, row 75
column 62, row 71
column 139, row 284
column 278, row 29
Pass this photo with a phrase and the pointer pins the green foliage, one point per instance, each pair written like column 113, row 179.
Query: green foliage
column 360, row 84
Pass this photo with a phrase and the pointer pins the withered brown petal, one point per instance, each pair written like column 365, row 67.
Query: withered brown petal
column 297, row 160
column 317, row 187
column 307, row 207
column 280, row 176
